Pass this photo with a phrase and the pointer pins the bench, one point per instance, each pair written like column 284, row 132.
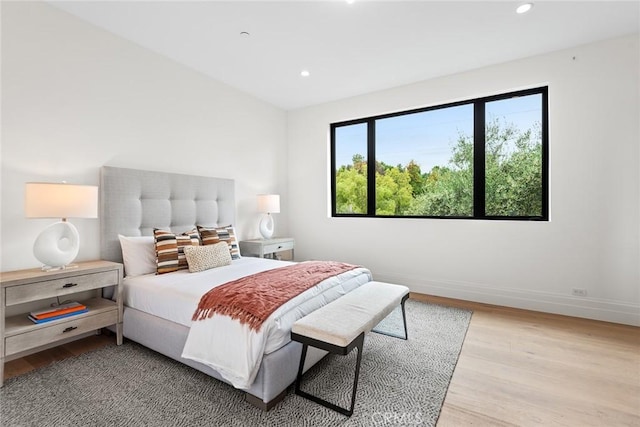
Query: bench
column 340, row 326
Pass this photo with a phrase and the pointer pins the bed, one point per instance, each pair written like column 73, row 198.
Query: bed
column 158, row 307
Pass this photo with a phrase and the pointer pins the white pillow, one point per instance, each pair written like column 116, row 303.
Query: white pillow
column 138, row 254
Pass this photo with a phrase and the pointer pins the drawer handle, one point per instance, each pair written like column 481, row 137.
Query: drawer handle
column 70, row 285
column 69, row 329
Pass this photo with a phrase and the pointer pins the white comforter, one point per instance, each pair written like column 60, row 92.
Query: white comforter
column 226, row 345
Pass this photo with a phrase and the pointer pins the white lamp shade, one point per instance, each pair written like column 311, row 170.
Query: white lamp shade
column 269, row 203
column 52, row 200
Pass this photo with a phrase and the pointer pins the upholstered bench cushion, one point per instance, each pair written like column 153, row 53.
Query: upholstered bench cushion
column 341, row 321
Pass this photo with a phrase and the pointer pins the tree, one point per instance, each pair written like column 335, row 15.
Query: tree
column 513, row 171
column 393, row 192
column 415, row 178
column 513, row 174
column 351, row 189
column 447, row 192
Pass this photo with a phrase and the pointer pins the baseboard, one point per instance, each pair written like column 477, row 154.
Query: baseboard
column 585, row 307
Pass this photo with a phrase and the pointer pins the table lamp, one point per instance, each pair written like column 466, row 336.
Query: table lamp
column 58, row 244
column 268, row 204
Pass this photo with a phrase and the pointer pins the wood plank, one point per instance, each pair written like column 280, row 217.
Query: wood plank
column 38, row 360
column 519, row 367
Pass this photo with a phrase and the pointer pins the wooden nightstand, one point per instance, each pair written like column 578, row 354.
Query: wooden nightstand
column 267, row 248
column 23, row 291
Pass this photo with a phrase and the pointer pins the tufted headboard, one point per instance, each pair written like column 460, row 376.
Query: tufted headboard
column 134, row 202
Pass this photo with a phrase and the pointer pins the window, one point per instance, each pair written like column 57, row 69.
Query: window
column 480, row 159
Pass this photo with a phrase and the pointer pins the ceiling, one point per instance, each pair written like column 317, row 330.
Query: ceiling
column 350, row 49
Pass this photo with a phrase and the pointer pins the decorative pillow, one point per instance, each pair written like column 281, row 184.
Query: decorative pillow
column 170, row 249
column 211, row 235
column 202, row 258
column 138, row 254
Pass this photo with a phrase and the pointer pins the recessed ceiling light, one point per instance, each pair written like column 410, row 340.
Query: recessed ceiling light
column 524, row 8
column 305, row 73
column 350, row 1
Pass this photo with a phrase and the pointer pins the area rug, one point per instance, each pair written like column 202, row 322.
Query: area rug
column 401, row 383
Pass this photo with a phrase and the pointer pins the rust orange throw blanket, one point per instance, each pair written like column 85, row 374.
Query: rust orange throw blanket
column 253, row 298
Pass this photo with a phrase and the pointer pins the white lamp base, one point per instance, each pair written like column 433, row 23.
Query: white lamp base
column 57, row 245
column 266, row 226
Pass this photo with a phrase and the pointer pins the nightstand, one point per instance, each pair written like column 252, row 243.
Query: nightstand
column 267, row 248
column 24, row 291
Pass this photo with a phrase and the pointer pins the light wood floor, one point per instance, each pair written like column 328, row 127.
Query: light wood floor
column 516, row 368
column 524, row 368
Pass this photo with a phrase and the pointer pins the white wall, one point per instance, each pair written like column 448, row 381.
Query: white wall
column 75, row 98
column 592, row 238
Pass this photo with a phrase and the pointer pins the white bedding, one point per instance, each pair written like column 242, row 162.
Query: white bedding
column 226, row 345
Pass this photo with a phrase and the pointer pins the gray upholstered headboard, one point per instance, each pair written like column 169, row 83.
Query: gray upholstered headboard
column 134, row 202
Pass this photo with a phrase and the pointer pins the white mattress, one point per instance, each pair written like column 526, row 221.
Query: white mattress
column 175, row 296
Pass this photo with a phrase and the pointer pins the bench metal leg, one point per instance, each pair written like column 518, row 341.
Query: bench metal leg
column 359, row 343
column 404, row 320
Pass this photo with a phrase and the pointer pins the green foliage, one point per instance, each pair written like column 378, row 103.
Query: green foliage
column 351, row 189
column 415, row 178
column 513, row 171
column 393, row 192
column 447, row 192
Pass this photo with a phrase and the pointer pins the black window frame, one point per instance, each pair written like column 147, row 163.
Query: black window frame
column 479, row 127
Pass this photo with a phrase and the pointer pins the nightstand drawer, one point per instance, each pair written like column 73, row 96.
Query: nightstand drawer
column 52, row 288
column 59, row 330
column 277, row 247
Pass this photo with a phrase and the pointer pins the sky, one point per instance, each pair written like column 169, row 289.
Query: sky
column 428, row 137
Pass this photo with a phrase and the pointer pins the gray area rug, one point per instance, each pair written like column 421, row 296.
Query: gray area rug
column 401, row 383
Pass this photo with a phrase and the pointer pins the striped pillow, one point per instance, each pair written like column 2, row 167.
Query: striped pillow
column 170, row 249
column 213, row 235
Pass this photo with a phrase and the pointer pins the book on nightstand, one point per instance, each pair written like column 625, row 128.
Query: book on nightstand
column 57, row 312
column 62, row 316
